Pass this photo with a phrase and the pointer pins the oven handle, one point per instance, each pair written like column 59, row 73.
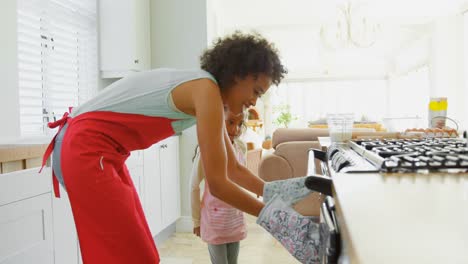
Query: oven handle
column 320, row 155
column 316, row 182
column 319, row 183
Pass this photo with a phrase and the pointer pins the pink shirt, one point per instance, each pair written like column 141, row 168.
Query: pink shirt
column 219, row 222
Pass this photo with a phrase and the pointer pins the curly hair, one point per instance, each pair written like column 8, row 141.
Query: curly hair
column 239, row 55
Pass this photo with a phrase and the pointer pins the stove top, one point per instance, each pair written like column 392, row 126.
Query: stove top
column 400, row 155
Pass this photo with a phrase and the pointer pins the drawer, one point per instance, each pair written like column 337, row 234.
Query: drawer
column 19, row 185
column 26, row 231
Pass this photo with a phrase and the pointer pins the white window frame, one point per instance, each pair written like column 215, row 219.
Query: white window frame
column 57, row 59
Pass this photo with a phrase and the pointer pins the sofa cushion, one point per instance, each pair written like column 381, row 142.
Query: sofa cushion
column 297, row 134
column 296, row 153
column 274, row 167
column 311, row 134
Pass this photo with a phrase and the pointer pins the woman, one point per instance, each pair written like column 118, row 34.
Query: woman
column 135, row 112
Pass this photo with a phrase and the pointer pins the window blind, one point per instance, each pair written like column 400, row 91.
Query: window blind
column 57, row 59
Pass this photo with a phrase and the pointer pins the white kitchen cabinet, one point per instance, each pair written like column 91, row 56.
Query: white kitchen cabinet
column 170, row 191
column 26, row 231
column 36, row 227
column 26, row 234
column 152, row 189
column 124, row 27
column 65, row 237
column 135, row 167
column 19, row 185
column 161, row 184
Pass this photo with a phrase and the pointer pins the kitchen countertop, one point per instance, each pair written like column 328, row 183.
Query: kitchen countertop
column 404, row 218
column 14, row 152
column 19, row 149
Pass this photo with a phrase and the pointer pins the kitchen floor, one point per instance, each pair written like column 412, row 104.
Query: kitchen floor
column 259, row 247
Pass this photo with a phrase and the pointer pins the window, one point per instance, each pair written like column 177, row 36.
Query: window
column 464, row 114
column 312, row 100
column 409, row 94
column 57, row 59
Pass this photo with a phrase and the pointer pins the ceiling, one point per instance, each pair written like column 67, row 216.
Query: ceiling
column 401, row 22
column 309, row 12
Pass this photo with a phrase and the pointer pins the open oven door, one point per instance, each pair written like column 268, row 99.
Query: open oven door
column 330, row 242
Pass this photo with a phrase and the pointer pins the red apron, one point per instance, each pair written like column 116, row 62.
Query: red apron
column 108, row 215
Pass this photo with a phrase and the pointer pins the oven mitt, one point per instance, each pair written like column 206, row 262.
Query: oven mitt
column 290, row 191
column 297, row 233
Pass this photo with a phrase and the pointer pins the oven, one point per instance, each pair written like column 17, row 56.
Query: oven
column 381, row 156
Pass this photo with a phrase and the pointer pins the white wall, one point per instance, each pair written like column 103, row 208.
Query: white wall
column 9, row 104
column 178, row 37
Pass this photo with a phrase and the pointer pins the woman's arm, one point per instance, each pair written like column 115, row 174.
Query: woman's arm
column 240, row 174
column 211, row 137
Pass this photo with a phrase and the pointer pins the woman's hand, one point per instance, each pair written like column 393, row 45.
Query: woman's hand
column 290, row 191
column 297, row 233
column 196, row 231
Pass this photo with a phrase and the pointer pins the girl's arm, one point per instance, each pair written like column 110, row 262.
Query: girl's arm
column 240, row 174
column 195, row 180
column 209, row 111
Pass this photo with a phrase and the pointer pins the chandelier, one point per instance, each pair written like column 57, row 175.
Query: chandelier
column 351, row 26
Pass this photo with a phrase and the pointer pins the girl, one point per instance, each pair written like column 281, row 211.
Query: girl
column 95, row 139
column 222, row 226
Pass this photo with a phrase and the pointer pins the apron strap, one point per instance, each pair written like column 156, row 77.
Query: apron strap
column 59, row 123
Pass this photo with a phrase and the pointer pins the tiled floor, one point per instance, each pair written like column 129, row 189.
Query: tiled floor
column 169, row 260
column 258, row 248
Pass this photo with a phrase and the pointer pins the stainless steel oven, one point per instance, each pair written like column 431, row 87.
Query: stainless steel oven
column 330, row 242
column 421, row 156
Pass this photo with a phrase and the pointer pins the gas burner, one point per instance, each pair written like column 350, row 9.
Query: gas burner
column 418, row 154
column 401, row 155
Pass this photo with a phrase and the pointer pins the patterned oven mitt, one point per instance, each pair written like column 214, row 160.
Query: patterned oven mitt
column 298, row 234
column 290, row 191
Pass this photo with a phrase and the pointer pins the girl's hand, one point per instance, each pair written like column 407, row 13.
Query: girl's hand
column 196, row 231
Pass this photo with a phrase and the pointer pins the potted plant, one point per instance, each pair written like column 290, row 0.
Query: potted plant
column 284, row 116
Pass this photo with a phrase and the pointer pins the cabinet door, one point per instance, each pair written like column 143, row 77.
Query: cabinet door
column 26, row 231
column 142, row 35
column 65, row 237
column 117, row 38
column 135, row 167
column 24, row 184
column 170, row 190
column 136, row 174
column 124, row 37
column 151, row 183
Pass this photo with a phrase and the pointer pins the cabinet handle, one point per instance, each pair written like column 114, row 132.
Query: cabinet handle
column 136, row 61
